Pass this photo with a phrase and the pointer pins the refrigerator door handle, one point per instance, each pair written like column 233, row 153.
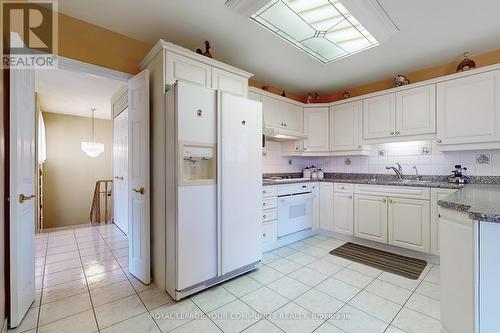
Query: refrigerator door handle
column 219, row 182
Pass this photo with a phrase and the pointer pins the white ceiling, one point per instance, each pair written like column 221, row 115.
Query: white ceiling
column 431, row 33
column 74, row 93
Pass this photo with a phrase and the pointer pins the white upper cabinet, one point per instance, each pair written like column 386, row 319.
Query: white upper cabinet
column 409, row 224
column 229, row 82
column 316, row 128
column 379, row 120
column 182, row 68
column 345, row 126
column 293, row 117
column 282, row 114
column 468, row 109
column 254, row 96
column 271, row 109
column 416, row 111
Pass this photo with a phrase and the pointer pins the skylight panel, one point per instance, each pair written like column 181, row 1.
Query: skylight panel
column 324, row 29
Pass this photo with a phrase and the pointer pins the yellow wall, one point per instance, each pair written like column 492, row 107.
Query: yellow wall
column 93, row 44
column 69, row 174
column 484, row 59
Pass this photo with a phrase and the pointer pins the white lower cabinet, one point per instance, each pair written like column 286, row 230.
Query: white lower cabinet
column 370, row 218
column 269, row 215
column 343, row 209
column 436, row 195
column 326, row 206
column 458, row 272
column 269, row 233
column 316, row 209
column 409, row 224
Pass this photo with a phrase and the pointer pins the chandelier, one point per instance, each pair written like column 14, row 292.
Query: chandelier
column 92, row 149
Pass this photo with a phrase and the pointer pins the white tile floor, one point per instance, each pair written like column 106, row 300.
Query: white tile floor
column 83, row 285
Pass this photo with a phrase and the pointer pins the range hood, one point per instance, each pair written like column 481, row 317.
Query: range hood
column 280, row 134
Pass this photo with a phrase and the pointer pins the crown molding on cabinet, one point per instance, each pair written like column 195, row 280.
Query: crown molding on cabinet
column 444, row 78
column 161, row 44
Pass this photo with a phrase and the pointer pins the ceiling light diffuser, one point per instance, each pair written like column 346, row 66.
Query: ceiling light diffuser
column 324, row 29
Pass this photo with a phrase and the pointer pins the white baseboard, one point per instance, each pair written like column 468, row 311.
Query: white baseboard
column 298, row 236
column 4, row 328
column 384, row 247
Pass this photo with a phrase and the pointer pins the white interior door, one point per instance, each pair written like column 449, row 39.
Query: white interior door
column 22, row 193
column 120, row 173
column 138, row 177
column 240, row 198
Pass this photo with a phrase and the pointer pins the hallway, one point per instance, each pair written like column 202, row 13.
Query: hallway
column 83, row 283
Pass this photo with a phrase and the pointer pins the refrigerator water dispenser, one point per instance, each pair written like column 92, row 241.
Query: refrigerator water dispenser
column 198, row 164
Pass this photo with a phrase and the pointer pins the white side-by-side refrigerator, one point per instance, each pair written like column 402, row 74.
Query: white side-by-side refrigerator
column 213, row 182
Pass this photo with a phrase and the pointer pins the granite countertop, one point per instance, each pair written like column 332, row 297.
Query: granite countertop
column 481, row 198
column 371, row 181
column 481, row 201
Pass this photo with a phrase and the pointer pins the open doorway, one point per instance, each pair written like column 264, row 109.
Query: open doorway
column 44, row 258
column 74, row 148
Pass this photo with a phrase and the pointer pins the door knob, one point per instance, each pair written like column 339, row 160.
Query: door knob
column 139, row 190
column 118, row 177
column 23, row 198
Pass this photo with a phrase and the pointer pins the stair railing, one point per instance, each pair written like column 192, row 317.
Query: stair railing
column 100, row 210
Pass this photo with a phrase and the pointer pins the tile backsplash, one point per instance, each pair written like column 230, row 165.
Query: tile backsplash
column 428, row 159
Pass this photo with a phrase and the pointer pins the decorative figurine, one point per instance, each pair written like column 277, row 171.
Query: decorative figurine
column 207, row 48
column 401, row 80
column 346, row 94
column 466, row 64
column 312, row 97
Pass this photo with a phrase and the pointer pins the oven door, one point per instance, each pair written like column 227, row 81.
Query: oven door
column 295, row 213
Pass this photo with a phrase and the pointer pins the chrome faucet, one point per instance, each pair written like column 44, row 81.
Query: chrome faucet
column 398, row 170
column 416, row 172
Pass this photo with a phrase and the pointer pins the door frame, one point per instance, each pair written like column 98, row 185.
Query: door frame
column 65, row 64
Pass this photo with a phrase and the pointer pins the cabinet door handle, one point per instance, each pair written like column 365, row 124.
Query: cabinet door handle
column 439, row 141
column 397, row 132
column 384, row 200
column 264, row 235
column 264, row 216
column 390, row 200
column 350, row 197
column 439, row 215
column 392, row 133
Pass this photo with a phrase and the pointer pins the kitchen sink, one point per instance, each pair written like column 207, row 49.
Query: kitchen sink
column 415, row 181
